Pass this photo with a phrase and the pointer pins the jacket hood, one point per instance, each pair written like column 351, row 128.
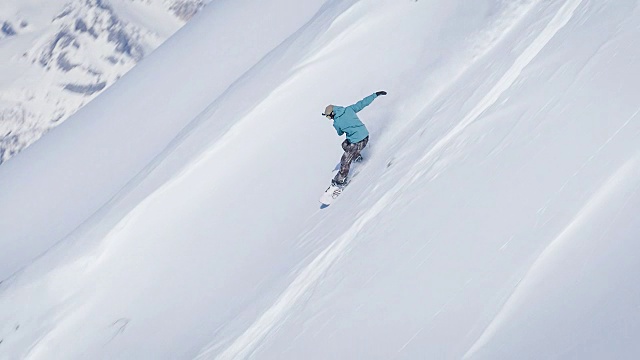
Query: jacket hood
column 338, row 110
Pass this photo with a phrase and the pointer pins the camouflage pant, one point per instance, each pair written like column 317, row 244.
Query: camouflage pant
column 351, row 151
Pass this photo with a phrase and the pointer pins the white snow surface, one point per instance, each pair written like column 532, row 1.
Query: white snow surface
column 494, row 217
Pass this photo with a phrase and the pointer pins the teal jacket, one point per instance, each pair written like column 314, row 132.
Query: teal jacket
column 347, row 122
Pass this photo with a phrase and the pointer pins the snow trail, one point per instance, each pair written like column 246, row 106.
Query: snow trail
column 562, row 17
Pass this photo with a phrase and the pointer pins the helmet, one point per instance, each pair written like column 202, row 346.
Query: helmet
column 328, row 111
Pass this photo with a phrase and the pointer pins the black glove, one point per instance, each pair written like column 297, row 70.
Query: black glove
column 381, row 93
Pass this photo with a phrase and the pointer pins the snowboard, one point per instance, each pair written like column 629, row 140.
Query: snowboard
column 332, row 192
column 330, row 195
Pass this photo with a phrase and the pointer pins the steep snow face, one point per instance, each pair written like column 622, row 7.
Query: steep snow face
column 59, row 55
column 494, row 217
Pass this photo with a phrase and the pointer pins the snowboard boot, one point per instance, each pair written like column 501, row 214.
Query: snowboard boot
column 339, row 184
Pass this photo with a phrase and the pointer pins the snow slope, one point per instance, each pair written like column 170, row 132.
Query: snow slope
column 493, row 217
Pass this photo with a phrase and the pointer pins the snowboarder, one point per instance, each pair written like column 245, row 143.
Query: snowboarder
column 345, row 121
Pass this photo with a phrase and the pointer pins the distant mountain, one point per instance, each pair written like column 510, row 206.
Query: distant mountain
column 58, row 56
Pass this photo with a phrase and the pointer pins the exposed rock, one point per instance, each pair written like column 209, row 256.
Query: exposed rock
column 86, row 89
column 64, row 64
column 125, row 44
column 7, row 29
column 186, row 9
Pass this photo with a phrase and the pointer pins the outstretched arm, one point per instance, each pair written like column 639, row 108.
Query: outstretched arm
column 366, row 101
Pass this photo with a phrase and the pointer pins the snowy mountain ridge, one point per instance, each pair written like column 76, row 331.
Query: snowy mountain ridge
column 63, row 54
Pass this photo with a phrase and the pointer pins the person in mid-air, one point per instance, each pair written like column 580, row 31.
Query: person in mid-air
column 345, row 121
